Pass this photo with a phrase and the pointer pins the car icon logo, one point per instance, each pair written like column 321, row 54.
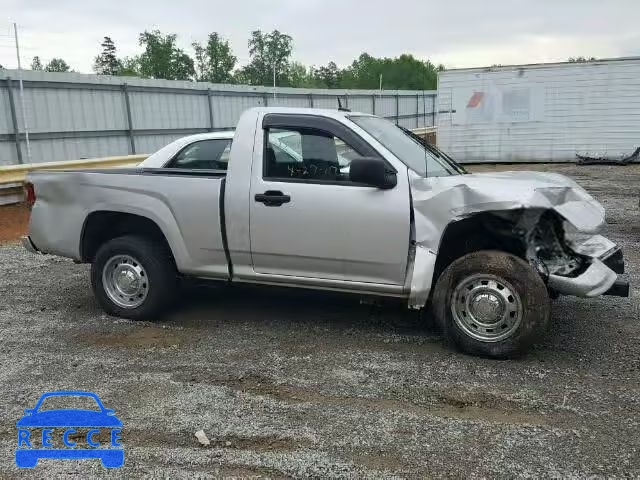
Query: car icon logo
column 73, row 422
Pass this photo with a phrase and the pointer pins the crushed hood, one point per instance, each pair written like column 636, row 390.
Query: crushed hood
column 437, row 201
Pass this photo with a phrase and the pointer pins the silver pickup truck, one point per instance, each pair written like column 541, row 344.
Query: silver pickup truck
column 332, row 200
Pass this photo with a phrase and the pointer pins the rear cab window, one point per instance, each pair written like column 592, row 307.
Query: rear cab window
column 210, row 154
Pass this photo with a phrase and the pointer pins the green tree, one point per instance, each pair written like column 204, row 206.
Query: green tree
column 214, row 61
column 57, row 65
column 268, row 51
column 240, row 77
column 328, row 76
column 404, row 72
column 107, row 62
column 129, row 67
column 182, row 66
column 162, row 58
column 364, row 72
column 36, row 64
column 302, row 77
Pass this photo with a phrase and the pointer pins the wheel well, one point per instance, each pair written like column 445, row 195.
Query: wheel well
column 483, row 231
column 100, row 227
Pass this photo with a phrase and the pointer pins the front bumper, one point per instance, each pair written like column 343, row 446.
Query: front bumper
column 601, row 278
column 620, row 288
column 615, row 261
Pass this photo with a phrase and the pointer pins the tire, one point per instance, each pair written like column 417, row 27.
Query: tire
column 149, row 272
column 501, row 318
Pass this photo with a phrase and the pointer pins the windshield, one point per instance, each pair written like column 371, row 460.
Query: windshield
column 408, row 151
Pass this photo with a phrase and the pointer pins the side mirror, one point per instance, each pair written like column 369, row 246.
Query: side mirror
column 371, row 171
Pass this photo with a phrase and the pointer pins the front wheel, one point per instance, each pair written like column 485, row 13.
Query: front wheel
column 133, row 277
column 492, row 304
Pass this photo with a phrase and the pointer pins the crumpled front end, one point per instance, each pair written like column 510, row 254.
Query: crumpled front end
column 546, row 218
column 570, row 262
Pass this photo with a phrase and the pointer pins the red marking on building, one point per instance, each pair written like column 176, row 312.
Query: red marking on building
column 475, row 99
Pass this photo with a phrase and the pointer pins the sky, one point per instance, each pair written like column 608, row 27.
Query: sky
column 457, row 33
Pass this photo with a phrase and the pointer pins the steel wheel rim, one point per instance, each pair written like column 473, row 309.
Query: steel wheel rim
column 486, row 307
column 125, row 281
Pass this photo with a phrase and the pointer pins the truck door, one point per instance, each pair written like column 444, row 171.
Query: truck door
column 308, row 220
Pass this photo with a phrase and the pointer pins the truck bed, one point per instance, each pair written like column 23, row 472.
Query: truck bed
column 67, row 199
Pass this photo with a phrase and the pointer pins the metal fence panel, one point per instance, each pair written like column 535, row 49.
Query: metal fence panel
column 407, row 122
column 426, row 111
column 297, row 101
column 6, row 125
column 386, row 106
column 76, row 116
column 227, row 109
column 61, row 110
column 7, row 150
column 151, row 143
column 156, row 110
column 50, row 150
column 360, row 104
column 408, row 104
column 326, row 101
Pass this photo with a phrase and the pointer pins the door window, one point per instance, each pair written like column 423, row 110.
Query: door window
column 307, row 154
column 203, row 155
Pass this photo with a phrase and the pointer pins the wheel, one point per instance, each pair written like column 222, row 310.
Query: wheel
column 133, row 277
column 492, row 304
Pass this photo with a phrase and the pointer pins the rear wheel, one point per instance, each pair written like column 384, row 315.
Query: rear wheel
column 133, row 277
column 491, row 303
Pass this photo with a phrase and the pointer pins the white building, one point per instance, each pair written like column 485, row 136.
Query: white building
column 540, row 113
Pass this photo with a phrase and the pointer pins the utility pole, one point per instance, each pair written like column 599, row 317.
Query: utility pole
column 24, row 112
column 274, row 80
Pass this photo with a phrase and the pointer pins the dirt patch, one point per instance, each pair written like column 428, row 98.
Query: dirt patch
column 480, row 409
column 139, row 337
column 350, row 344
column 251, row 384
column 14, row 222
column 384, row 462
column 244, row 472
column 260, row 444
column 264, row 443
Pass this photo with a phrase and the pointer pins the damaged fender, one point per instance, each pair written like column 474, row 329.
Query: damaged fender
column 423, row 267
column 439, row 201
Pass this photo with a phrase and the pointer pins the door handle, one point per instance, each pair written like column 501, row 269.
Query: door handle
column 272, row 198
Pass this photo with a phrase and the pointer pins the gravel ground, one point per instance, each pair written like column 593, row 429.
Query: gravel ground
column 293, row 384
